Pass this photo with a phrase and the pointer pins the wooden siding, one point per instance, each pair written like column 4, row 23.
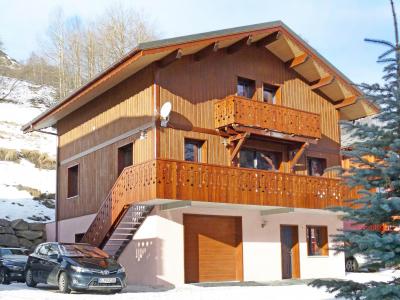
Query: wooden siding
column 120, row 109
column 193, row 88
column 116, row 112
column 98, row 173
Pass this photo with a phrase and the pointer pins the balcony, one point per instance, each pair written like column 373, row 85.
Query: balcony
column 235, row 110
column 164, row 179
column 181, row 180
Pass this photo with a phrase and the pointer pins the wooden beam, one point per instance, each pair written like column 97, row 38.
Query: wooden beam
column 236, row 150
column 298, row 155
column 347, row 101
column 170, row 58
column 276, row 135
column 239, row 44
column 236, row 137
column 265, row 41
column 206, row 51
column 323, row 82
column 298, row 60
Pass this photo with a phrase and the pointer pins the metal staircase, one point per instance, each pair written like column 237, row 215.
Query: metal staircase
column 129, row 223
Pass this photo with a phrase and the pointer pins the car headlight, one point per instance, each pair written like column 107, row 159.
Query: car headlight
column 80, row 269
column 121, row 270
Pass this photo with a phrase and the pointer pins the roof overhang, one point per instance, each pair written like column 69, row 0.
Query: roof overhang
column 359, row 109
column 275, row 36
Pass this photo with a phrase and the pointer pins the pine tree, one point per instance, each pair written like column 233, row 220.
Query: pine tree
column 379, row 183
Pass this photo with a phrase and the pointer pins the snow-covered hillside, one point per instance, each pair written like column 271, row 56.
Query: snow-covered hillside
column 23, row 175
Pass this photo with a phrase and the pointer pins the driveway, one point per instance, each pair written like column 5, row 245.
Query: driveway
column 290, row 289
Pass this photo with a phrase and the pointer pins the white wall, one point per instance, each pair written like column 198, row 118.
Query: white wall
column 69, row 227
column 156, row 256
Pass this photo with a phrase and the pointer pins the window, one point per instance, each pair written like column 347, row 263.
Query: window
column 246, row 87
column 263, row 160
column 73, row 181
column 125, row 157
column 317, row 240
column 316, row 166
column 269, row 93
column 193, row 150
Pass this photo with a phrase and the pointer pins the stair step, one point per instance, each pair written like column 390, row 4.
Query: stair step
column 119, row 239
column 125, row 228
column 123, row 234
column 129, row 222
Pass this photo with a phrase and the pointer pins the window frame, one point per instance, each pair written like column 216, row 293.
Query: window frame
column 279, row 156
column 201, row 149
column 324, row 249
column 273, row 87
column 119, row 150
column 69, row 196
column 324, row 164
column 253, row 81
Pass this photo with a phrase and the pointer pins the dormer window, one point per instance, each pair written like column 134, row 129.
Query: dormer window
column 246, row 87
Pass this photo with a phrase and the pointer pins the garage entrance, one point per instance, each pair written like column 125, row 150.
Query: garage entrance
column 213, row 248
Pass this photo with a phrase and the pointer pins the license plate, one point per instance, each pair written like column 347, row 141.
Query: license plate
column 107, row 280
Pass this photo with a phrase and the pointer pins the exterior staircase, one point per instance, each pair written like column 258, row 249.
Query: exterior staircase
column 122, row 212
column 126, row 228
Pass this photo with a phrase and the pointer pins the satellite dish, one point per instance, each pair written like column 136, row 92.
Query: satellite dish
column 165, row 112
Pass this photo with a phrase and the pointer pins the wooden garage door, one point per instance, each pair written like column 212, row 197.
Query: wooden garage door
column 213, row 248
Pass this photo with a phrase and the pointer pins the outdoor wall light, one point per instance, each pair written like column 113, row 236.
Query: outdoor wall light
column 143, row 135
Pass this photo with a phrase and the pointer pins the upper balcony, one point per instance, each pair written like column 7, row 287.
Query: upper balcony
column 240, row 111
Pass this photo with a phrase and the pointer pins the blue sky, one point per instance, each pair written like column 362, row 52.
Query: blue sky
column 336, row 28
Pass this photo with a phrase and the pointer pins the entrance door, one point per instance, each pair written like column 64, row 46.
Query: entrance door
column 290, row 251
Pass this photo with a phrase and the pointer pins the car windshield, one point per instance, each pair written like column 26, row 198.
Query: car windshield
column 79, row 250
column 12, row 252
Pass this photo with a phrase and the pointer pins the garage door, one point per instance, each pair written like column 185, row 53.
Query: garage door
column 213, row 248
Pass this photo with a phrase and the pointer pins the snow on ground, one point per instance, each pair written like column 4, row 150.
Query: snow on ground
column 19, row 204
column 24, row 92
column 25, row 102
column 25, row 173
column 284, row 290
column 16, row 204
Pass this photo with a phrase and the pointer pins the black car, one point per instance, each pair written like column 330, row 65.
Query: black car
column 75, row 267
column 12, row 264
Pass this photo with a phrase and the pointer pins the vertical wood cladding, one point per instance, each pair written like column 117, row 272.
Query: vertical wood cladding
column 194, row 87
column 117, row 111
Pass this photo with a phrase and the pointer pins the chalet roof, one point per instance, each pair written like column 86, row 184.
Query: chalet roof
column 275, row 36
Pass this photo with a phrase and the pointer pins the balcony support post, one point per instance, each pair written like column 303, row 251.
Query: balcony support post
column 241, row 139
column 298, row 155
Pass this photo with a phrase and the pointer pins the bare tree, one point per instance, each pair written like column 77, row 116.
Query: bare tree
column 80, row 49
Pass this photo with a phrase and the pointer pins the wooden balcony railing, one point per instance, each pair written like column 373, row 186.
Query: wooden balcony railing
column 211, row 183
column 182, row 180
column 242, row 111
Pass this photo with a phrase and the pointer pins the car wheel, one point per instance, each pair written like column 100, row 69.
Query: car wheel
column 29, row 278
column 4, row 279
column 351, row 265
column 63, row 283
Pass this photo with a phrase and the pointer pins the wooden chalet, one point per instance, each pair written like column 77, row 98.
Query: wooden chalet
column 231, row 184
